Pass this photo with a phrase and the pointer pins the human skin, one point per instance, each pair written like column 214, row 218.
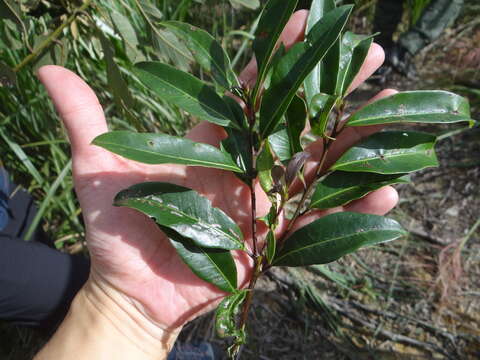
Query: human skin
column 140, row 293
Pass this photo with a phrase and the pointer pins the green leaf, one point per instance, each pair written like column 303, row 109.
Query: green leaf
column 157, row 148
column 346, row 57
column 312, row 82
column 185, row 211
column 356, row 48
column 116, row 83
column 335, row 235
column 296, row 118
column 185, row 91
column 206, row 51
column 414, row 106
column 226, row 315
column 297, row 64
column 250, row 4
column 271, row 246
column 212, row 265
column 280, row 144
column 274, row 17
column 127, row 32
column 237, row 145
column 390, row 152
column 320, row 108
column 11, row 11
column 340, row 188
column 169, row 48
column 264, row 164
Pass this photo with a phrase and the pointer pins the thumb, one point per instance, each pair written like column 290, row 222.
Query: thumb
column 78, row 106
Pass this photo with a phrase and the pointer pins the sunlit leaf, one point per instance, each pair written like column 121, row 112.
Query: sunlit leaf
column 212, row 265
column 390, row 152
column 275, row 15
column 185, row 211
column 164, row 149
column 296, row 65
column 207, row 52
column 186, row 91
column 312, row 82
column 414, row 106
column 340, row 187
column 226, row 315
column 335, row 235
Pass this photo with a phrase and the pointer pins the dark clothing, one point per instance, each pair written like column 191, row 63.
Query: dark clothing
column 435, row 18
column 37, row 282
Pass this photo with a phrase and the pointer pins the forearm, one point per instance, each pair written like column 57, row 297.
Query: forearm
column 103, row 324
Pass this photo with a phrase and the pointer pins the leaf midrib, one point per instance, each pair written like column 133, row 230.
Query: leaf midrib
column 331, row 240
column 169, row 156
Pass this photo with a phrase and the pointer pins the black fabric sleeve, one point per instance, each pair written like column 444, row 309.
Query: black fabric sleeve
column 38, row 283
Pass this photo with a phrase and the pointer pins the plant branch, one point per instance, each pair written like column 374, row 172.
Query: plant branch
column 327, row 142
column 52, row 37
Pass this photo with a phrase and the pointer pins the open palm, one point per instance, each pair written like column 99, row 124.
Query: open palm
column 129, row 253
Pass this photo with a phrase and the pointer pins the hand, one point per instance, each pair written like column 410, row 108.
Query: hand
column 131, row 257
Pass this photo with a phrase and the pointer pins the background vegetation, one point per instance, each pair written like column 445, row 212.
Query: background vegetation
column 397, row 299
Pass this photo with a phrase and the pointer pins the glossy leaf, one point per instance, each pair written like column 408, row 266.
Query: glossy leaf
column 295, row 166
column 357, row 47
column 226, row 315
column 414, row 106
column 185, row 211
column 274, row 17
column 335, row 235
column 280, row 144
column 212, row 265
column 320, row 108
column 312, row 82
column 344, row 62
column 207, row 52
column 296, row 118
column 297, row 64
column 271, row 246
column 185, row 91
column 157, row 148
column 390, row 152
column 264, row 164
column 340, row 187
column 237, row 146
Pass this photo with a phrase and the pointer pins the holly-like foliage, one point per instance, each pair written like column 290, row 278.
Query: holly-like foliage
column 307, row 83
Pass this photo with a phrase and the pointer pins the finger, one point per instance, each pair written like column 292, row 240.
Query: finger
column 378, row 202
column 293, row 32
column 374, row 59
column 77, row 105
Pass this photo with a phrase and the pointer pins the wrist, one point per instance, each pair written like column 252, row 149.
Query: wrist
column 103, row 323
